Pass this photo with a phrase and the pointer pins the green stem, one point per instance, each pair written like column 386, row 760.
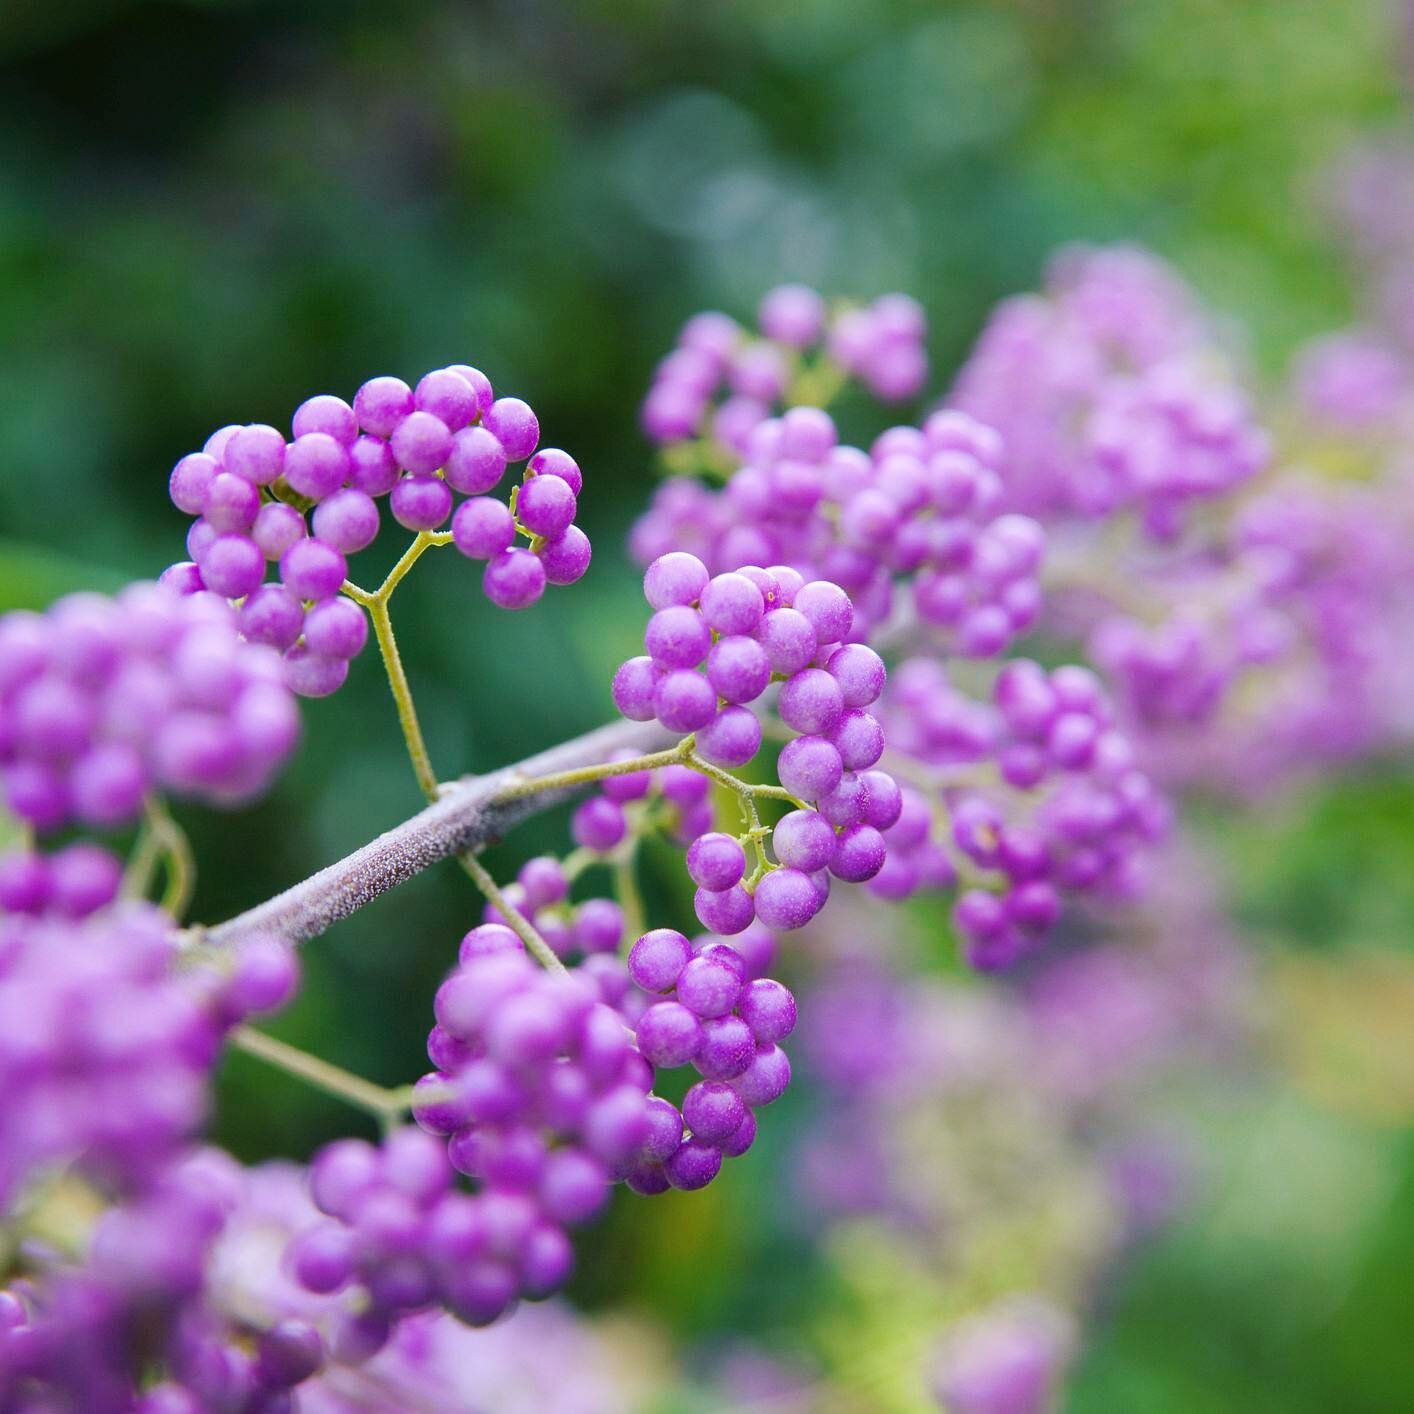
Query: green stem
column 746, row 789
column 402, row 695
column 142, row 863
column 523, row 928
column 630, row 899
column 377, row 605
column 161, row 841
column 757, row 833
column 678, row 755
column 422, row 542
column 385, row 1104
column 817, row 385
column 578, row 860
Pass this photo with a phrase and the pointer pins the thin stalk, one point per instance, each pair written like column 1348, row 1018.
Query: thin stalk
column 585, row 775
column 141, row 868
column 387, row 1105
column 630, row 899
column 424, row 540
column 377, row 605
column 756, row 832
column 746, row 789
column 161, row 841
column 578, row 860
column 402, row 695
column 523, row 928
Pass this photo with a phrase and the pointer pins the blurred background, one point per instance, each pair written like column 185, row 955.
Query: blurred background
column 211, row 210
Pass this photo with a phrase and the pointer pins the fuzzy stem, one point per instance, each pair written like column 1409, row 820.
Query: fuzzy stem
column 177, row 858
column 745, row 789
column 467, row 815
column 142, row 863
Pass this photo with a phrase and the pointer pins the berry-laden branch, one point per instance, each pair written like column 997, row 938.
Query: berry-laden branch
column 468, row 815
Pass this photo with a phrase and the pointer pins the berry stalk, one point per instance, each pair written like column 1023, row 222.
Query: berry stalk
column 518, row 923
column 377, row 604
column 386, row 1104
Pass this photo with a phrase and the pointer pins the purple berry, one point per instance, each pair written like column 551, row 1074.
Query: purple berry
column 658, row 959
column 514, row 579
column 545, row 505
column 476, row 463
column 566, row 556
column 787, row 899
column 347, row 520
column 675, row 578
column 514, row 426
column 420, row 502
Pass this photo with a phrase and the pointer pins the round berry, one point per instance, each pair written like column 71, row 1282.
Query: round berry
column 316, row 465
column 420, row 502
column 674, row 578
column 482, row 527
column 545, row 505
column 787, row 899
column 381, row 404
column 514, row 579
column 658, row 958
column 716, row 861
column 421, row 443
column 514, row 426
column 566, row 556
column 347, row 520
column 476, row 463
column 448, row 397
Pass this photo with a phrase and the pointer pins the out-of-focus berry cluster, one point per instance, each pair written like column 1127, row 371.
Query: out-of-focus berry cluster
column 104, row 700
column 106, row 1046
column 1111, row 393
column 720, row 381
column 1040, row 790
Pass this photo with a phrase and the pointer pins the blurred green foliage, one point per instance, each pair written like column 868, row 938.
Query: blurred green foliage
column 210, row 210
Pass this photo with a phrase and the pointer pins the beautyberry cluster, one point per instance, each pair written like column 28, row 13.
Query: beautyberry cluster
column 925, row 505
column 104, row 700
column 1110, row 393
column 1006, row 1359
column 172, row 1311
column 1276, row 645
column 728, row 1028
column 715, row 644
column 1066, row 807
column 105, row 1046
column 309, row 503
column 543, row 1101
column 880, row 344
